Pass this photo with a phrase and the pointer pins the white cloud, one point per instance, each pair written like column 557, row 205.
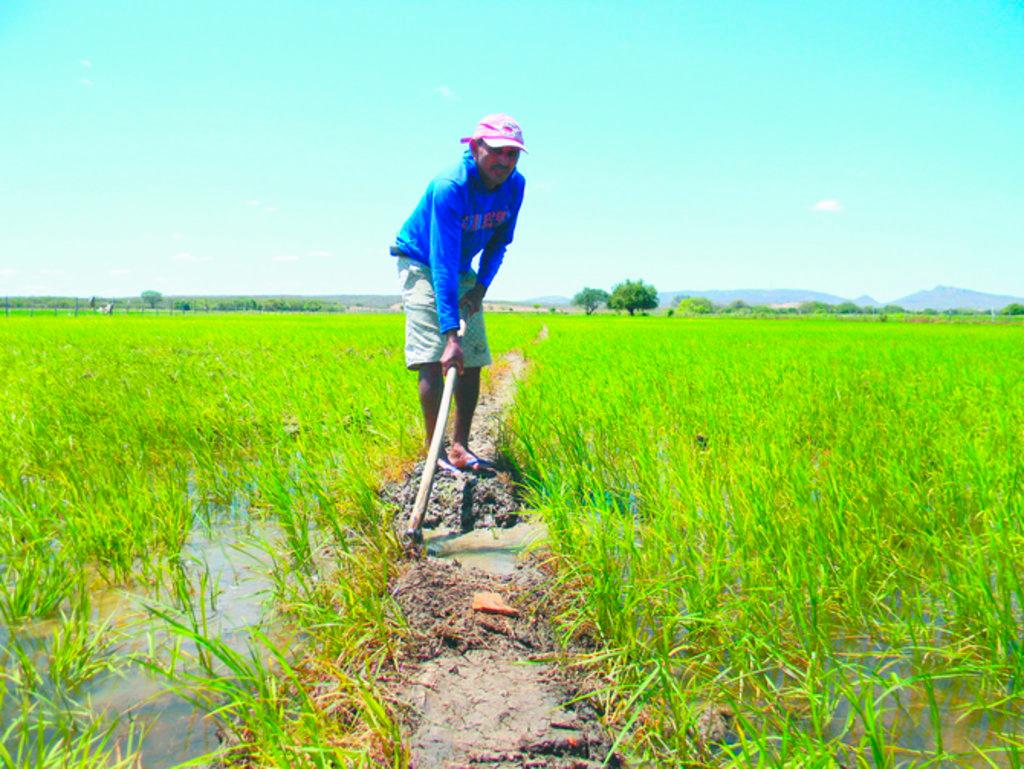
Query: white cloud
column 320, row 252
column 445, row 92
column 53, row 273
column 118, row 272
column 270, row 209
column 87, row 63
column 86, row 82
column 187, row 256
column 8, row 272
column 828, row 205
column 253, row 203
column 285, row 258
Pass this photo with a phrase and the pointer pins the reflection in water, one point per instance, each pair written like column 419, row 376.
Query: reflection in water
column 907, row 713
column 918, row 710
column 231, row 565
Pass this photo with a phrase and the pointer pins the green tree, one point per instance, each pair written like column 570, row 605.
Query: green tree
column 152, row 298
column 809, row 308
column 590, row 299
column 633, row 295
column 737, row 306
column 1012, row 309
column 695, row 305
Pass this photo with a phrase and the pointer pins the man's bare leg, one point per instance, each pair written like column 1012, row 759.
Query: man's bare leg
column 431, row 386
column 467, row 393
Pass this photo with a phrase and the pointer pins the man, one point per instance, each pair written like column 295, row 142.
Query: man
column 470, row 209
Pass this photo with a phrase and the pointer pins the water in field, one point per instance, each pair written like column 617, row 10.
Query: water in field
column 229, row 566
column 124, row 437
column 960, row 718
column 493, row 550
column 936, row 710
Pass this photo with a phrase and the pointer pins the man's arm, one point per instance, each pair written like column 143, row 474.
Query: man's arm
column 452, row 355
column 472, row 301
column 445, row 243
column 494, row 251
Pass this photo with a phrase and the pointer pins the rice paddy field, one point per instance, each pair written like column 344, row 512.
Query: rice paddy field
column 808, row 530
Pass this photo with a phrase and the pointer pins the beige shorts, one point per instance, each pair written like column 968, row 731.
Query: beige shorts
column 423, row 340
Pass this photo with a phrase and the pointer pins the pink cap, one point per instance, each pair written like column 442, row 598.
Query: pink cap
column 498, row 130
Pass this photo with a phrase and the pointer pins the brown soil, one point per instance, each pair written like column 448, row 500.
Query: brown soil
column 478, row 689
column 483, row 690
column 462, row 503
column 471, row 500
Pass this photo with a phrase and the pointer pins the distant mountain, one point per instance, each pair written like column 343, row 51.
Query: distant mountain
column 753, row 296
column 939, row 298
column 951, row 298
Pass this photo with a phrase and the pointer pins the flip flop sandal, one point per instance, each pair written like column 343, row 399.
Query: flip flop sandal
column 448, row 468
column 476, row 465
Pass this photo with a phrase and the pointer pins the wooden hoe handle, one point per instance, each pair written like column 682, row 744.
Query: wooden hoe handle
column 413, row 533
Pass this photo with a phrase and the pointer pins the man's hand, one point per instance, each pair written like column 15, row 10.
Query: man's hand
column 473, row 300
column 452, row 355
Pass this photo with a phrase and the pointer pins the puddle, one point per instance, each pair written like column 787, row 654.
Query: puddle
column 494, row 550
column 967, row 720
column 232, row 567
column 970, row 720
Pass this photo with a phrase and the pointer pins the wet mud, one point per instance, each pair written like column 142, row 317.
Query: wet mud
column 470, row 500
column 482, row 689
column 479, row 684
column 461, row 503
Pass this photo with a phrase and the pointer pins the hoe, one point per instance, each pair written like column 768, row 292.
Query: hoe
column 414, row 533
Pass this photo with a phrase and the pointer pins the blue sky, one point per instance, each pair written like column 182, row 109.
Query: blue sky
column 230, row 147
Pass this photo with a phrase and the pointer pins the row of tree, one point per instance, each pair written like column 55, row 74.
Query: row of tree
column 699, row 305
column 633, row 295
column 629, row 295
column 154, row 300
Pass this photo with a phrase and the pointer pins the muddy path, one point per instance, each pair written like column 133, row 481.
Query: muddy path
column 478, row 684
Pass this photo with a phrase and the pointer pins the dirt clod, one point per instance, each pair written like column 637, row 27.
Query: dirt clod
column 436, row 597
column 493, row 603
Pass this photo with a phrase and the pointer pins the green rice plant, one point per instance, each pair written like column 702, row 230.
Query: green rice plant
column 275, row 709
column 44, row 746
column 763, row 499
column 80, row 648
column 124, row 439
column 34, row 582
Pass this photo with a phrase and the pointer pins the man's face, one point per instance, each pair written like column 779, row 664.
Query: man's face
column 495, row 164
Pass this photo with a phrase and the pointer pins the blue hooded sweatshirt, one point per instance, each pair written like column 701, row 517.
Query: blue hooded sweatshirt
column 456, row 218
